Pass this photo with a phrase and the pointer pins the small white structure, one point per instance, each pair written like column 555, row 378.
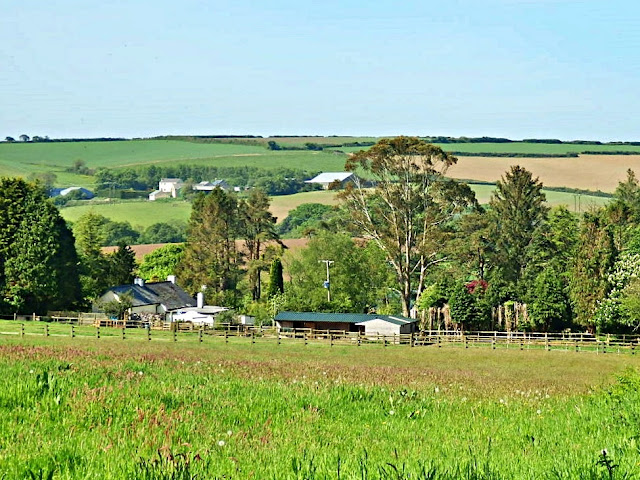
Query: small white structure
column 204, row 315
column 333, row 179
column 388, row 325
column 209, row 186
column 167, row 188
column 63, row 192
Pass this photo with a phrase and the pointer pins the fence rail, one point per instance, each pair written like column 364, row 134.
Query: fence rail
column 174, row 332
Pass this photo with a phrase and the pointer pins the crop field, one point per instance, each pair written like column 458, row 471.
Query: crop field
column 541, row 149
column 112, row 408
column 589, row 172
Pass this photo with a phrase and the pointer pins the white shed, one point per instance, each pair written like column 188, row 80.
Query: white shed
column 389, row 325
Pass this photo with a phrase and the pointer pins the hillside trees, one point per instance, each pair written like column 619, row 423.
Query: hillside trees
column 405, row 212
column 38, row 262
column 519, row 211
column 162, row 262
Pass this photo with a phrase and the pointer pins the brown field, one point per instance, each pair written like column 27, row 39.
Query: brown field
column 141, row 250
column 282, row 204
column 589, row 172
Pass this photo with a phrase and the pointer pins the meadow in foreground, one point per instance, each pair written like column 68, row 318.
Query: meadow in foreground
column 83, row 408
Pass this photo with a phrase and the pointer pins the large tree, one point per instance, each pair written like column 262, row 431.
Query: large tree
column 405, row 210
column 210, row 257
column 38, row 262
column 257, row 226
column 519, row 210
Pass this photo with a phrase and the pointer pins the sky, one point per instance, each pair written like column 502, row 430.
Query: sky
column 140, row 68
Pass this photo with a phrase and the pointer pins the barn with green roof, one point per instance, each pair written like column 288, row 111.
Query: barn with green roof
column 366, row 323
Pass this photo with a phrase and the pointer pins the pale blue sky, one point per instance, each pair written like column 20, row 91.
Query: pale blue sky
column 510, row 68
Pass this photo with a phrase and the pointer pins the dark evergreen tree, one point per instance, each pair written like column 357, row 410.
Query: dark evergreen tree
column 121, row 265
column 276, row 280
column 38, row 262
column 210, row 257
column 518, row 213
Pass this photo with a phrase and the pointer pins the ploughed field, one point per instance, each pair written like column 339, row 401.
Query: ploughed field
column 113, row 408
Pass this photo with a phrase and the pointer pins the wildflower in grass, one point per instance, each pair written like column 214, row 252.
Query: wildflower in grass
column 30, row 371
column 221, row 443
column 140, row 373
column 538, row 411
column 437, row 390
column 229, row 432
column 391, row 412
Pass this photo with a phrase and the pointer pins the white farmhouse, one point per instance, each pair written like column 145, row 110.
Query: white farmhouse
column 335, row 180
column 167, row 188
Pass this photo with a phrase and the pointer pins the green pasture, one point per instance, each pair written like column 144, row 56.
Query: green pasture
column 89, row 408
column 139, row 213
column 143, row 213
column 22, row 159
column 572, row 201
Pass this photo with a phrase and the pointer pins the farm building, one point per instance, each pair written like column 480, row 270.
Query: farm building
column 334, row 180
column 168, row 187
column 208, row 186
column 157, row 298
column 348, row 322
column 81, row 192
column 201, row 314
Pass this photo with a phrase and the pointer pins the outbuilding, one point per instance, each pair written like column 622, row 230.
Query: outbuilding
column 366, row 323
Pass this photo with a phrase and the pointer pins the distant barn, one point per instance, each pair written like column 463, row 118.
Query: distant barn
column 333, row 180
column 366, row 323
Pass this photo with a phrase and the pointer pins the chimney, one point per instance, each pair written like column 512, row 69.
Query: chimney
column 171, row 278
column 200, row 300
column 138, row 281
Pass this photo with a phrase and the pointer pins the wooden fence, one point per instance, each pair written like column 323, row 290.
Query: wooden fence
column 174, row 332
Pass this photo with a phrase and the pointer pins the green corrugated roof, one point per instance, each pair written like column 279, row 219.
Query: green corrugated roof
column 340, row 317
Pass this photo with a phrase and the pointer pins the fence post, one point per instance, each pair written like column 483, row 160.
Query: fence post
column 493, row 343
column 384, row 340
column 98, row 332
column 633, row 349
column 226, row 336
column 278, row 337
column 521, row 343
column 604, row 347
column 46, row 329
column 73, row 333
column 412, row 340
column 331, row 339
column 15, row 316
column 200, row 334
column 546, row 342
column 576, row 345
column 123, row 335
column 175, row 334
column 148, row 333
column 253, row 337
column 358, row 343
column 33, row 316
column 22, row 330
column 466, row 342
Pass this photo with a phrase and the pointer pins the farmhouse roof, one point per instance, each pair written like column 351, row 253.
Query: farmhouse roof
column 172, row 180
column 156, row 293
column 355, row 318
column 329, row 177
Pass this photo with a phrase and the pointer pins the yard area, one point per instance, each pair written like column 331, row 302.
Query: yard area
column 88, row 408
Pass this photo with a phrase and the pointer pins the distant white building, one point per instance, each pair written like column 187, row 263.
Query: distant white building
column 63, row 192
column 167, row 188
column 209, row 186
column 334, row 179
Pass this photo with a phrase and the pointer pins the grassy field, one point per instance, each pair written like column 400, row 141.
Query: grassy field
column 108, row 408
column 572, row 201
column 18, row 159
column 139, row 213
column 143, row 213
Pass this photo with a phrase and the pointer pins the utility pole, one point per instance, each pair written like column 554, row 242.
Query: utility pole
column 327, row 283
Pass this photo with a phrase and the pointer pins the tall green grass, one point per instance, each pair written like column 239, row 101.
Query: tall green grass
column 82, row 408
